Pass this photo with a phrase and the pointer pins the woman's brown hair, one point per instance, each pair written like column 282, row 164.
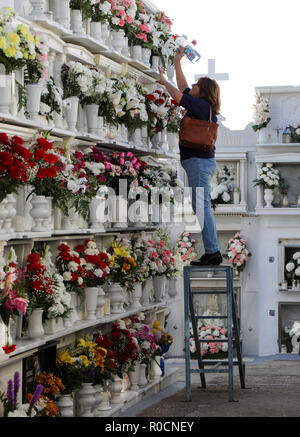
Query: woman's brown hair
column 210, row 90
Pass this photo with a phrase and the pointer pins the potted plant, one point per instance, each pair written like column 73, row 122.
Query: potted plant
column 268, row 177
column 261, row 117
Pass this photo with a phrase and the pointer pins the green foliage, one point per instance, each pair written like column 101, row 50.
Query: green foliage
column 49, row 99
column 22, row 96
column 70, row 84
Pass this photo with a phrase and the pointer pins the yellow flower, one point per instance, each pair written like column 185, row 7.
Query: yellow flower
column 31, row 56
column 1, row 28
column 3, row 44
column 13, row 39
column 121, row 251
column 36, row 39
column 112, row 261
column 10, row 52
column 25, row 54
column 64, row 358
column 85, row 361
column 86, row 344
column 22, row 29
column 156, row 324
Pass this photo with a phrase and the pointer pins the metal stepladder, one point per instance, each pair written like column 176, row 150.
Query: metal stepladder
column 233, row 327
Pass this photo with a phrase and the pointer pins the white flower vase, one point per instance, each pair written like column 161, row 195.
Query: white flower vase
column 159, row 287
column 76, row 22
column 116, row 389
column 146, row 292
column 155, row 63
column 105, row 33
column 125, row 50
column 298, row 285
column 85, row 400
column 155, row 369
column 145, row 136
column 134, row 377
column 73, row 304
column 38, row 11
column 91, row 296
column 262, row 136
column 284, row 285
column 3, row 215
column 35, row 325
column 63, row 13
column 96, row 212
column 142, row 379
column 146, row 53
column 67, row 321
column 164, row 141
column 71, row 113
column 106, row 396
column 50, row 326
column 294, row 285
column 69, row 222
column 173, row 141
column 98, row 399
column 117, row 299
column 136, row 295
column 136, row 53
column 100, row 127
column 11, row 213
column 58, row 120
column 65, row 406
column 95, row 30
column 156, row 141
column 137, row 137
column 268, row 196
column 119, row 212
column 3, row 336
column 5, row 92
column 117, row 40
column 34, row 92
column 40, row 213
column 100, row 303
column 170, row 72
column 92, row 118
column 172, row 290
column 124, row 133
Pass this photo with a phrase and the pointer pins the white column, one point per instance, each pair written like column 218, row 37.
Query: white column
column 51, row 60
column 260, row 192
column 243, row 182
column 58, row 63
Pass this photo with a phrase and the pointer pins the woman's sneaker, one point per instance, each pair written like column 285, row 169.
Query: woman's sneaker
column 208, row 259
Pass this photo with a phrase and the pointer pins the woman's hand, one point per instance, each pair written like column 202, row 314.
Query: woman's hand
column 162, row 80
column 179, row 54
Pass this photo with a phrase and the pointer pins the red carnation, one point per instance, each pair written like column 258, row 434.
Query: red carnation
column 4, row 139
column 150, row 97
column 33, row 258
column 9, row 349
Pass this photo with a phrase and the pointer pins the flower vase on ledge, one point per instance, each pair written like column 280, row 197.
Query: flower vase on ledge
column 268, row 196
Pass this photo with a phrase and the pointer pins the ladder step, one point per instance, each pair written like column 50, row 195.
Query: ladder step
column 211, row 317
column 213, row 340
column 209, row 292
column 221, row 363
column 209, row 370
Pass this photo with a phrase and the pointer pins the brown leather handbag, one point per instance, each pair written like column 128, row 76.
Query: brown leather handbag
column 198, row 134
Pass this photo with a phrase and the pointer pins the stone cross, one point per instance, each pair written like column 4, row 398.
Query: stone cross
column 212, row 72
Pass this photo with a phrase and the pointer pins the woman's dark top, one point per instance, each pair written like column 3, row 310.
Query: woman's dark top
column 197, row 108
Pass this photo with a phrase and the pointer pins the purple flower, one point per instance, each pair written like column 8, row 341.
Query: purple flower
column 36, row 395
column 16, row 385
column 10, row 394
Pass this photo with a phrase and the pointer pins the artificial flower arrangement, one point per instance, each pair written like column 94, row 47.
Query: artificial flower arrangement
column 15, row 164
column 37, row 68
column 261, row 113
column 143, row 337
column 161, row 256
column 60, row 298
column 210, row 349
column 51, row 100
column 121, row 348
column 123, row 263
column 39, row 284
column 175, row 114
column 268, row 177
column 130, row 106
column 140, row 246
column 295, row 133
column 185, row 248
column 100, row 11
column 69, row 266
column 293, row 268
column 157, row 104
column 9, row 399
column 237, row 252
column 53, row 387
column 17, row 43
column 222, row 188
column 12, row 298
column 95, row 264
column 163, row 341
column 68, row 369
column 88, row 356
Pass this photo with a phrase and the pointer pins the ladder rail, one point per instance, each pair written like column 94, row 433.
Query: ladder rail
column 233, row 327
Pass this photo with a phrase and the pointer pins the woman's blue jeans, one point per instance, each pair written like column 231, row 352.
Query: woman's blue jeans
column 199, row 172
